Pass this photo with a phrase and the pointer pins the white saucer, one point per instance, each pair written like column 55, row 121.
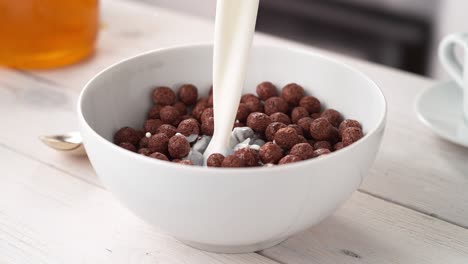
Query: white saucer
column 440, row 108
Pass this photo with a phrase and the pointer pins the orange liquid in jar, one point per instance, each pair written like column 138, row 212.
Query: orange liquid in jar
column 38, row 34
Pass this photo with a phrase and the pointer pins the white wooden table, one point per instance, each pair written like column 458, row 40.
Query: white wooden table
column 413, row 208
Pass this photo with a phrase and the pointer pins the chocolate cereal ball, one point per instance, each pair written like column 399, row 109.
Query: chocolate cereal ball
column 153, row 113
column 298, row 129
column 253, row 103
column 158, row 143
column 275, row 104
column 298, row 113
column 243, row 112
column 144, row 151
column 232, row 161
column 338, row 146
column 201, row 105
column 304, row 123
column 143, row 142
column 152, row 125
column 127, row 134
column 128, row 146
column 351, row 135
column 257, row 107
column 348, row 123
column 302, row 150
column 164, row 96
column 189, row 127
column 246, row 98
column 315, row 115
column 248, row 155
column 181, row 107
column 333, row 116
column 184, row 117
column 287, row 137
column 178, row 146
column 311, row 104
column 323, row 145
column 215, row 160
column 170, row 115
column 159, row 156
column 168, row 130
column 140, row 133
column 207, row 127
column 292, row 93
column 270, row 153
column 321, row 129
column 208, row 112
column 266, row 90
column 258, row 121
column 289, row 159
column 280, row 117
column 320, row 152
column 271, row 130
column 303, row 139
column 188, row 94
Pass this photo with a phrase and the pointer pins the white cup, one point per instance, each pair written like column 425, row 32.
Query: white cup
column 453, row 65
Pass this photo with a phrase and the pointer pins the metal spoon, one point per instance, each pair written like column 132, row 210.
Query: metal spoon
column 69, row 142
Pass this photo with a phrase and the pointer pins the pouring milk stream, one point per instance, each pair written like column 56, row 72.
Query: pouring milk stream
column 234, row 29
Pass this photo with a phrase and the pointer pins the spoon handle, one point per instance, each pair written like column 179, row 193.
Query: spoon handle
column 234, row 29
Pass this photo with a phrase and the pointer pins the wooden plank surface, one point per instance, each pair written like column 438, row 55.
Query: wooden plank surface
column 30, row 108
column 48, row 217
column 370, row 230
column 414, row 167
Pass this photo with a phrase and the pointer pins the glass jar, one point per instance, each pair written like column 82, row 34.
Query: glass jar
column 39, row 34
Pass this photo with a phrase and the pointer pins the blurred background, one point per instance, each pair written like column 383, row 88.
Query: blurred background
column 398, row 33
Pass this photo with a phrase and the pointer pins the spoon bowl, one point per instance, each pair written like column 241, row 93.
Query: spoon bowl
column 69, row 142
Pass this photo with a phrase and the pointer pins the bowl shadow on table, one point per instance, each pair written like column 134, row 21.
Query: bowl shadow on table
column 77, row 165
column 339, row 239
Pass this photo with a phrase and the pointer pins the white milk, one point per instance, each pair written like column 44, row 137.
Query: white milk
column 234, row 29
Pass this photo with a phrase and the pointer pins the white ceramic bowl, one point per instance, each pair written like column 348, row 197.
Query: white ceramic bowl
column 228, row 210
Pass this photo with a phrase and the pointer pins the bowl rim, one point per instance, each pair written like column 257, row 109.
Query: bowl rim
column 238, row 171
